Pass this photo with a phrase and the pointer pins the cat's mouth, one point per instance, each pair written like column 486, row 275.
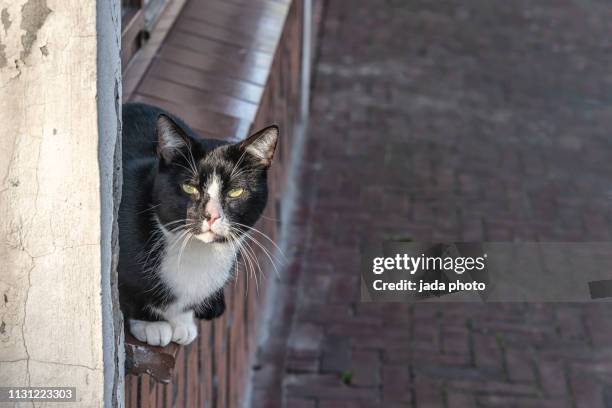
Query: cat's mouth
column 209, row 237
column 206, row 233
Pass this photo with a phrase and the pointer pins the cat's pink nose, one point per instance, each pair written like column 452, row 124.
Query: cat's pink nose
column 211, row 217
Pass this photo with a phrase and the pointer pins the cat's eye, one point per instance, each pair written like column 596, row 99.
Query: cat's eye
column 189, row 189
column 235, row 192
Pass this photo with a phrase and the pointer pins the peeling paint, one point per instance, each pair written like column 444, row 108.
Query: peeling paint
column 44, row 50
column 5, row 17
column 33, row 16
column 3, row 60
column 18, row 68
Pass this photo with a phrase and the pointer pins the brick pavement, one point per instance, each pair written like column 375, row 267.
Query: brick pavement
column 447, row 120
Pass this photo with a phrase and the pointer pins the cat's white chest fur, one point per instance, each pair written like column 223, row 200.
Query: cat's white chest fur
column 194, row 271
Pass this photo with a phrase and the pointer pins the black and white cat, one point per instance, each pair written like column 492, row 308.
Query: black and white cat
column 186, row 206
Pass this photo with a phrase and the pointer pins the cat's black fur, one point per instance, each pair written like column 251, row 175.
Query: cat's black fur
column 151, row 188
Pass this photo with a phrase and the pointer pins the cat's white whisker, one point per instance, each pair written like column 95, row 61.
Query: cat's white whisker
column 191, row 163
column 252, row 254
column 247, row 170
column 149, row 209
column 238, row 162
column 189, row 170
column 183, row 245
column 249, row 263
column 235, row 241
column 249, row 266
column 266, row 252
column 280, row 251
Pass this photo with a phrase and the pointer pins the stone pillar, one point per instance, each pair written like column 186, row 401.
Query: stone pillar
column 59, row 124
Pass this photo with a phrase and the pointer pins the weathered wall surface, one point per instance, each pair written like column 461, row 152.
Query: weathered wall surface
column 53, row 218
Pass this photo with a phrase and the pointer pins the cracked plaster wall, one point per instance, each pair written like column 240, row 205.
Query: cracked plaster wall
column 59, row 120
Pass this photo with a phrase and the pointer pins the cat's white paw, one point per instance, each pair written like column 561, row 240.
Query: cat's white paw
column 184, row 332
column 152, row 333
column 184, row 329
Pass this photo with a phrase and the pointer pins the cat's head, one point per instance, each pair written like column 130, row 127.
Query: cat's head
column 212, row 190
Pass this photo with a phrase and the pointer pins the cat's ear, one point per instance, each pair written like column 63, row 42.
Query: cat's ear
column 262, row 144
column 171, row 139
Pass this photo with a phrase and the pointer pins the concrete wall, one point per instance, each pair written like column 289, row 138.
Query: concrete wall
column 58, row 129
